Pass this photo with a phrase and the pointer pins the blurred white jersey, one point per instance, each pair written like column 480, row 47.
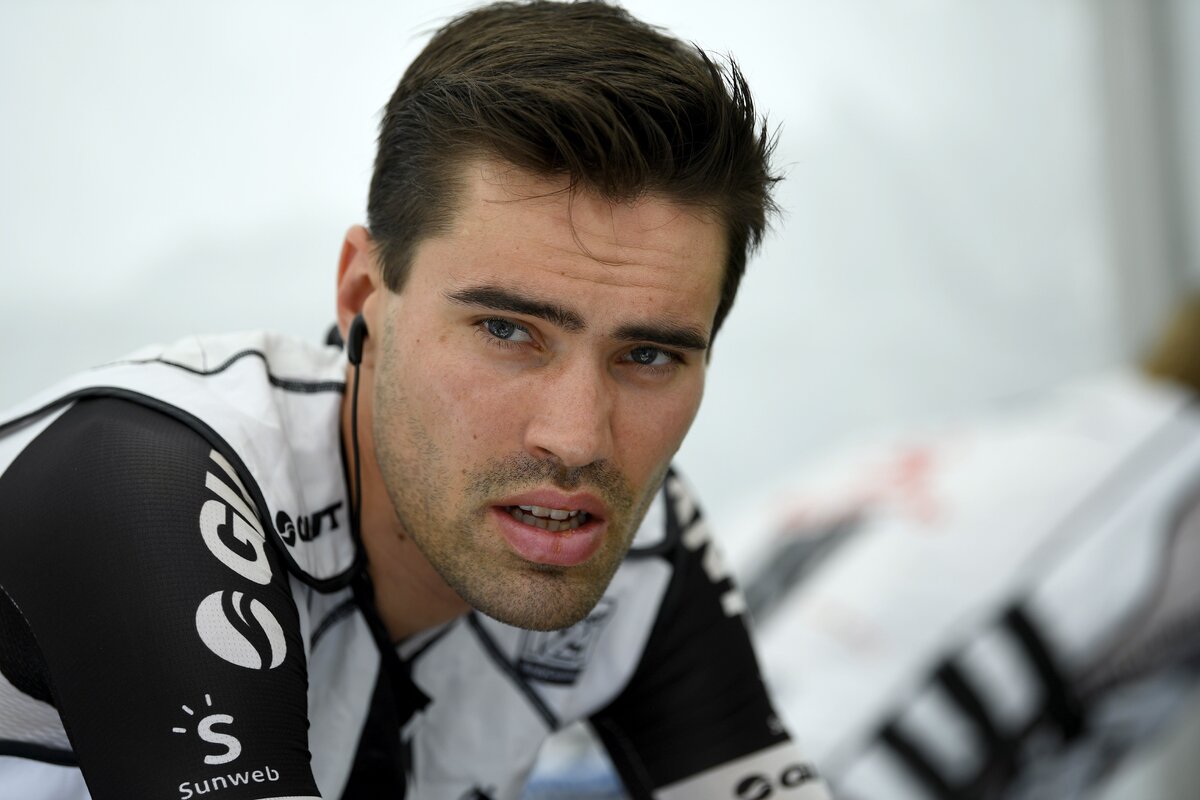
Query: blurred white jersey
column 995, row 610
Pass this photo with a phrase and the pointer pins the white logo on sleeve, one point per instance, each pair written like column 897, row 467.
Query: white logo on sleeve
column 241, row 630
column 230, row 529
column 696, row 536
column 213, row 729
column 205, row 729
column 232, row 624
column 777, row 773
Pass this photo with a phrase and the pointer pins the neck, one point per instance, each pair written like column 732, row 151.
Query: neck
column 410, row 595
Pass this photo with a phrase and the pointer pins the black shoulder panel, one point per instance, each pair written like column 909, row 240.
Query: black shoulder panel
column 164, row 627
column 697, row 699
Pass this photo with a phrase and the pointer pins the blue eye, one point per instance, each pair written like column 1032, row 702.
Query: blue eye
column 650, row 357
column 505, row 331
column 500, row 328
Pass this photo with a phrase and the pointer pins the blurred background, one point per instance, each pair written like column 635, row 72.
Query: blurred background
column 982, row 200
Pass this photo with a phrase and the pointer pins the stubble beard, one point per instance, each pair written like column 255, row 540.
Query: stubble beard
column 483, row 571
column 452, row 532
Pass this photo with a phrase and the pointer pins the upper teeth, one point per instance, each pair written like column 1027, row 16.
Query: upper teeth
column 551, row 513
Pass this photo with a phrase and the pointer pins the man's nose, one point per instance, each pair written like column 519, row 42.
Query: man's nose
column 571, row 414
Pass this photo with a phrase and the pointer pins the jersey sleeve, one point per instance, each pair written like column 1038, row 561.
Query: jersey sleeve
column 141, row 599
column 696, row 720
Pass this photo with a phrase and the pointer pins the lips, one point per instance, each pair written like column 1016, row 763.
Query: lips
column 554, row 520
column 548, row 527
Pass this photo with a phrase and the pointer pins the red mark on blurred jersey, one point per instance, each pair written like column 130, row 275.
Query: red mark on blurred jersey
column 901, row 484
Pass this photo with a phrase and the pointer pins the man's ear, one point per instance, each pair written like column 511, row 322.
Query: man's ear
column 358, row 276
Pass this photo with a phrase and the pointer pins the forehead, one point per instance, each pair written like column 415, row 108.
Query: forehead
column 515, row 228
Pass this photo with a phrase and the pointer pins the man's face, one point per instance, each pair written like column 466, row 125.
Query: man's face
column 533, row 379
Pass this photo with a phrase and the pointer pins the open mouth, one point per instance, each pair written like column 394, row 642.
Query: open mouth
column 554, row 520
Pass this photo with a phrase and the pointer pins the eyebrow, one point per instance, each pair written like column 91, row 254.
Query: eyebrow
column 680, row 337
column 683, row 337
column 499, row 299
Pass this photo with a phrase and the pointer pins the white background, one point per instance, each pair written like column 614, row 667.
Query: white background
column 963, row 184
column 171, row 168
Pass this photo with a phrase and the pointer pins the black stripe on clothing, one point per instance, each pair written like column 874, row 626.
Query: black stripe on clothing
column 967, row 698
column 382, row 760
column 287, row 384
column 1000, row 750
column 37, row 413
column 342, row 610
column 1156, row 633
column 1127, row 477
column 916, row 761
column 493, row 650
column 38, row 752
column 412, row 657
column 1060, row 701
column 21, row 660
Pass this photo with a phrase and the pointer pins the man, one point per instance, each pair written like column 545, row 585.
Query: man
column 248, row 568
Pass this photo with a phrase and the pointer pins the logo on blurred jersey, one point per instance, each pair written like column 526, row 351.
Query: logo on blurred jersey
column 760, row 787
column 560, row 656
column 475, row 793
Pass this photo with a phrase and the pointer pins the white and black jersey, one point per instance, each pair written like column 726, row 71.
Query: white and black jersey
column 1001, row 608
column 184, row 614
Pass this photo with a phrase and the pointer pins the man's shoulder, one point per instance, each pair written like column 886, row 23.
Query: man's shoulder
column 289, row 362
column 266, row 403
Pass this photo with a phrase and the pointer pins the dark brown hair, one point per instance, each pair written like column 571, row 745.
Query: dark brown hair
column 582, row 90
column 1176, row 354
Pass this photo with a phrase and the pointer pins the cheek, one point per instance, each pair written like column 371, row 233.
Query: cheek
column 650, row 429
column 468, row 401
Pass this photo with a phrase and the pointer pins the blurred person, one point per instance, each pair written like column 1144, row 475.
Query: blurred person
column 245, row 567
column 1003, row 608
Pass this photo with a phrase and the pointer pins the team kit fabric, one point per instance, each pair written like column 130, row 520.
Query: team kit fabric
column 185, row 612
column 999, row 608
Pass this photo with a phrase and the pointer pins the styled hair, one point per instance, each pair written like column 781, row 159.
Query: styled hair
column 581, row 90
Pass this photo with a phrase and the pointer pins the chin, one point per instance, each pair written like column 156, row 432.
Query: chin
column 544, row 603
column 534, row 623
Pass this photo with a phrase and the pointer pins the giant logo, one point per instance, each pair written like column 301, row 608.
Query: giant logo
column 241, row 630
column 232, row 624
column 761, row 787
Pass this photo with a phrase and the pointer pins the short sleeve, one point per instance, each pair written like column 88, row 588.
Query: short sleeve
column 143, row 601
column 696, row 712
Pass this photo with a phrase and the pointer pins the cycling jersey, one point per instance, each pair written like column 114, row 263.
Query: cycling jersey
column 998, row 609
column 185, row 613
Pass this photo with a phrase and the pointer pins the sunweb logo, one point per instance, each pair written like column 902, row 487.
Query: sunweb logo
column 206, row 730
column 214, row 729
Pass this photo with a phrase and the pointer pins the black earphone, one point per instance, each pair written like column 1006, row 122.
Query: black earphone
column 410, row 693
column 354, row 340
column 354, row 354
